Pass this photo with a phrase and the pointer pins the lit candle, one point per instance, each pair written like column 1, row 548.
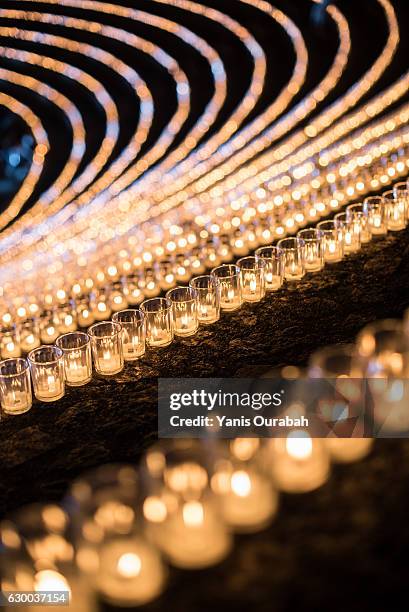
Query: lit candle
column 158, row 321
column 248, row 500
column 133, row 332
column 47, row 371
column 228, row 276
column 130, row 572
column 193, row 537
column 293, row 257
column 274, row 270
column 15, row 386
column 299, row 463
column 106, row 344
column 184, row 302
column 252, row 278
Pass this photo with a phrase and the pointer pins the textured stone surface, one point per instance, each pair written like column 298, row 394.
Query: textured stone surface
column 341, row 539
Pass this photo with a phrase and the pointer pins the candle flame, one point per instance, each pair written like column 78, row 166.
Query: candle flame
column 241, row 483
column 50, row 580
column 129, row 565
column 299, row 447
column 193, row 514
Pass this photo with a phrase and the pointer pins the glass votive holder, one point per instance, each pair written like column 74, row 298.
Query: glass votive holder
column 100, row 305
column 208, row 298
column 76, row 348
column 15, row 386
column 133, row 291
column 117, row 298
column 351, row 232
column 39, row 556
column 341, row 398
column 297, row 462
column 29, row 335
column 293, row 256
column 184, row 310
column 47, row 373
column 358, row 214
column 384, row 349
column 48, row 327
column 274, row 268
column 181, row 513
column 106, row 344
column 229, row 278
column 123, row 568
column 401, row 192
column 66, row 318
column 85, row 315
column 10, row 342
column 167, row 274
column 252, row 278
column 247, row 498
column 377, row 215
column 332, row 241
column 158, row 322
column 396, row 208
column 313, row 250
column 133, row 332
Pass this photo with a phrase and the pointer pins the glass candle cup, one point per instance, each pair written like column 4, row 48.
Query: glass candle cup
column 48, row 327
column 47, row 373
column 332, row 241
column 252, row 278
column 133, row 332
column 351, row 232
column 341, row 404
column 106, row 344
column 401, row 191
column 117, row 298
column 396, row 207
column 208, row 298
column 293, row 256
column 181, row 513
column 313, row 251
column 39, row 556
column 85, row 315
column 76, row 348
column 298, row 463
column 229, row 278
column 29, row 335
column 10, row 342
column 112, row 552
column 15, row 386
column 248, row 500
column 384, row 350
column 100, row 305
column 134, row 293
column 158, row 321
column 358, row 215
column 66, row 318
column 184, row 310
column 377, row 215
column 274, row 268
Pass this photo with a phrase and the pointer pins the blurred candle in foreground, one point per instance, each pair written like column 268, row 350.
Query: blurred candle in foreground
column 252, row 278
column 248, row 499
column 298, row 462
column 130, row 572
